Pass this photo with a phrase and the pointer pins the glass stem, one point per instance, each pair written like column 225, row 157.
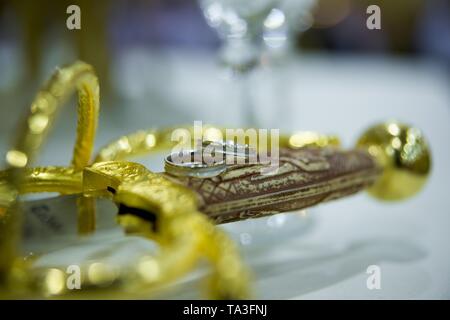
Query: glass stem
column 246, row 99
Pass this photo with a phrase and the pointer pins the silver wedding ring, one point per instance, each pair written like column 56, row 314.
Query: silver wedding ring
column 197, row 169
column 191, row 163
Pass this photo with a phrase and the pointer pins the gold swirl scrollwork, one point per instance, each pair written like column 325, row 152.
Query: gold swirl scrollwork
column 149, row 205
column 30, row 138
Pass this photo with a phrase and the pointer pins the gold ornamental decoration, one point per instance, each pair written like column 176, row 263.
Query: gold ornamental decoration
column 178, row 212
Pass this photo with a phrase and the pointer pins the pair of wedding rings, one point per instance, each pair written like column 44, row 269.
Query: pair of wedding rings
column 208, row 159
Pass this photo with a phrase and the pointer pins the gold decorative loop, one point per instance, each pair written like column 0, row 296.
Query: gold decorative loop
column 145, row 142
column 184, row 234
column 30, row 138
column 139, row 143
column 47, row 179
column 44, row 109
column 178, row 223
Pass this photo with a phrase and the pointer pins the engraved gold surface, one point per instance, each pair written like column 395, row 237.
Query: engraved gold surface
column 185, row 235
column 403, row 153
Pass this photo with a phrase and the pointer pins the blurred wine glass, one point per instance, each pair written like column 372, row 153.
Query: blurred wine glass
column 250, row 28
column 283, row 24
column 240, row 26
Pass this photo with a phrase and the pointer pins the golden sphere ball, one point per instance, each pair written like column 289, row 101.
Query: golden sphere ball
column 403, row 153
